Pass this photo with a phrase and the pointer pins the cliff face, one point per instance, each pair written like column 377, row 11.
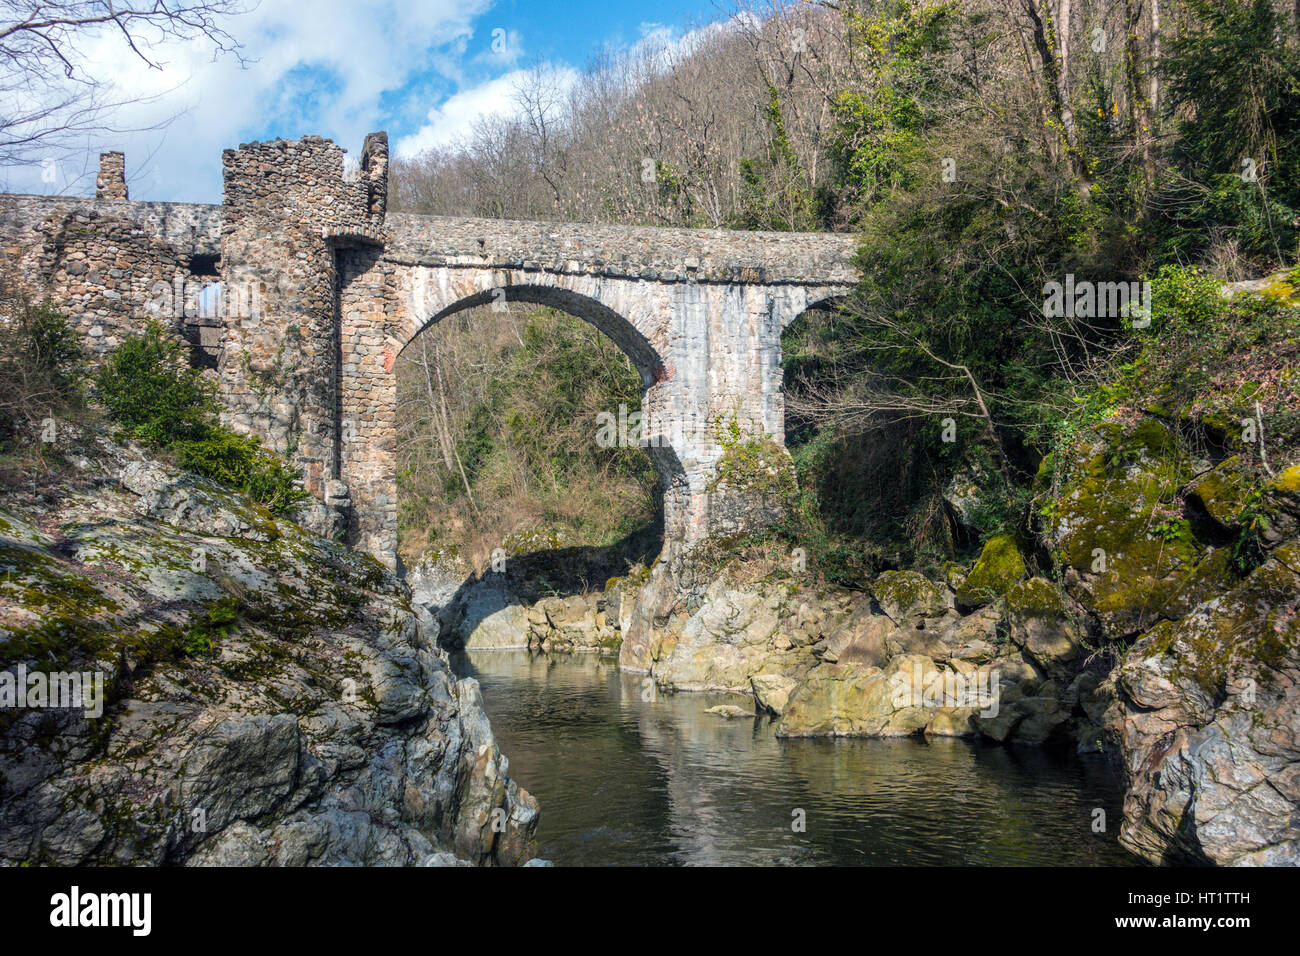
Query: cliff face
column 1193, row 576
column 269, row 697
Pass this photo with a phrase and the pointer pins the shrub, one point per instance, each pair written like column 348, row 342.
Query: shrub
column 1185, row 298
column 241, row 462
column 41, row 363
column 51, row 348
column 151, row 391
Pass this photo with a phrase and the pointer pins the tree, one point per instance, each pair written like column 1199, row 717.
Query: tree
column 52, row 96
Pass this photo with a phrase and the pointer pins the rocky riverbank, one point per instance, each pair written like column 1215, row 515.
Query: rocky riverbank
column 1155, row 618
column 270, row 697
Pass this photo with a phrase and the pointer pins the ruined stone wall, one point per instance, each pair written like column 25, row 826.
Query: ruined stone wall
column 369, row 308
column 111, row 181
column 109, row 265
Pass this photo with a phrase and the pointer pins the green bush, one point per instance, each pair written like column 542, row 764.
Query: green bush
column 50, row 345
column 241, row 462
column 1184, row 297
column 150, row 390
column 41, row 364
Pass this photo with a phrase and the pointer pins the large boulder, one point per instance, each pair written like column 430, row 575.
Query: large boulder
column 1042, row 626
column 1130, row 560
column 910, row 695
column 268, row 698
column 1000, row 565
column 734, row 635
column 695, row 628
column 908, row 596
column 862, row 638
column 491, row 617
column 1204, row 716
column 772, row 691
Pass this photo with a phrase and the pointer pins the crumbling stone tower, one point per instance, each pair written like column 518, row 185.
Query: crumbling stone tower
column 290, row 210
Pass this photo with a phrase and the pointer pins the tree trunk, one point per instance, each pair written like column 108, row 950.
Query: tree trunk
column 436, row 411
column 1056, row 66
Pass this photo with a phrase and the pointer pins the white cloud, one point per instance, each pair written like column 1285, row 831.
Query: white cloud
column 319, row 68
column 453, row 120
column 337, row 68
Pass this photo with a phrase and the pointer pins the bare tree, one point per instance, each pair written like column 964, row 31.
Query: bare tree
column 52, row 96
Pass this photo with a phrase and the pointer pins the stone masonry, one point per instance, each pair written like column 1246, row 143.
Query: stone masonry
column 111, row 181
column 301, row 292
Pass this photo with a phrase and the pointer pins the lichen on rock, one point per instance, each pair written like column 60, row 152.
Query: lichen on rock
column 271, row 697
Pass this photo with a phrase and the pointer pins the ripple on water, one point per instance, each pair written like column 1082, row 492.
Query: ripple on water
column 622, row 780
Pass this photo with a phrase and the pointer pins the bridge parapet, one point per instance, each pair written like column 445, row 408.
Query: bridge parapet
column 625, row 252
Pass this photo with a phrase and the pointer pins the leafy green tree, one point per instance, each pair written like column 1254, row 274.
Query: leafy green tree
column 1233, row 74
column 880, row 126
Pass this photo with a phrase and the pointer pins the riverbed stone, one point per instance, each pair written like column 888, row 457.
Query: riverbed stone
column 772, row 691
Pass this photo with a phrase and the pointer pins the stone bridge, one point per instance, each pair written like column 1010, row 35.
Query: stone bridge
column 300, row 291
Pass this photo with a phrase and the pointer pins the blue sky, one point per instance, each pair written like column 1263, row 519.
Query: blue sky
column 421, row 69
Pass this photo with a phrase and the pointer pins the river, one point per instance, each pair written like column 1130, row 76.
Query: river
column 624, row 780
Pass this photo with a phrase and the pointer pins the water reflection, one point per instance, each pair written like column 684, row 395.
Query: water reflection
column 626, row 780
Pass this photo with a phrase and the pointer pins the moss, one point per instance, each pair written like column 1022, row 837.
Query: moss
column 755, row 465
column 34, row 580
column 1223, row 493
column 904, row 594
column 999, row 567
column 1151, row 437
column 1288, row 481
column 63, row 607
column 1036, row 597
column 1119, row 523
column 1246, row 631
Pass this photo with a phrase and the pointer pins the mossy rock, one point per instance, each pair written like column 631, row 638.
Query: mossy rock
column 1115, row 525
column 905, row 595
column 1279, row 508
column 1288, row 482
column 1248, row 631
column 1223, row 493
column 1041, row 626
column 999, row 567
column 1036, row 597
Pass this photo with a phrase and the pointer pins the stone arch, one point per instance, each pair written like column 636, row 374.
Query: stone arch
column 645, row 357
column 826, row 302
column 814, row 300
column 655, row 372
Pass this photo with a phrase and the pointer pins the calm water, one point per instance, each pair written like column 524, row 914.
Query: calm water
column 624, row 781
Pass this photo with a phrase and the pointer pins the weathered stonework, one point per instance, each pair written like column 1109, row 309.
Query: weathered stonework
column 320, row 291
column 111, row 181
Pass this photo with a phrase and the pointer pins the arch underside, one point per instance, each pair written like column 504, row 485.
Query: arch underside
column 622, row 332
